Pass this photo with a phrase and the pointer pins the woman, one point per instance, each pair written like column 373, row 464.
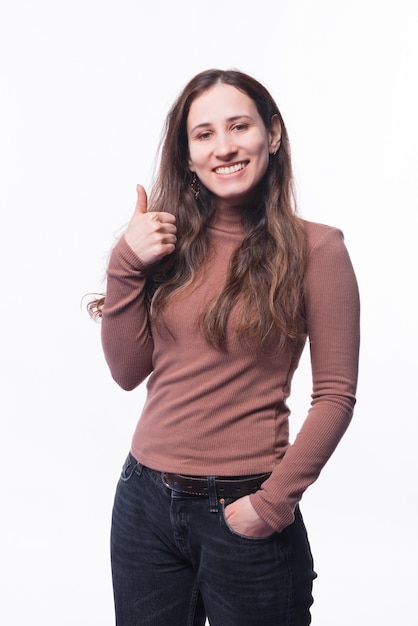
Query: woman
column 211, row 292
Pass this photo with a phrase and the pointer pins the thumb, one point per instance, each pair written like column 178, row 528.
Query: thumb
column 142, row 201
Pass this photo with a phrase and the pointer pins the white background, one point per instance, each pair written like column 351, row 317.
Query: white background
column 85, row 86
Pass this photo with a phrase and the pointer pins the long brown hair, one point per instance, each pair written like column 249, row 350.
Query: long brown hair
column 266, row 271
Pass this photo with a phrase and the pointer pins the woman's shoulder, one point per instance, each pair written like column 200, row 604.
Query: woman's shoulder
column 318, row 233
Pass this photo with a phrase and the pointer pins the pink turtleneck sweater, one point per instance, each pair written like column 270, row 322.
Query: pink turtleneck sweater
column 213, row 413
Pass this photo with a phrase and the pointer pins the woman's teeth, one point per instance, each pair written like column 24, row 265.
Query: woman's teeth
column 231, row 169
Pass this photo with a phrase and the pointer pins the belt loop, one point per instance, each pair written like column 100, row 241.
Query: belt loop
column 213, row 496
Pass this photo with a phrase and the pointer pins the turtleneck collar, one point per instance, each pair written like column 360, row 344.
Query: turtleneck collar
column 228, row 219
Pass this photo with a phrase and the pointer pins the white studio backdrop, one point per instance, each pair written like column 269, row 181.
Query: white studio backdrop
column 85, row 87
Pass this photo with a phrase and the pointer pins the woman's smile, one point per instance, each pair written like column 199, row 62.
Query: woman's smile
column 230, row 169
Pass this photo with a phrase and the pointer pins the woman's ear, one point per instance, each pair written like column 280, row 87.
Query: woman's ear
column 190, row 164
column 275, row 134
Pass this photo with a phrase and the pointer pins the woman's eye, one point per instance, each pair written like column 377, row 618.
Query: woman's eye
column 239, row 127
column 204, row 135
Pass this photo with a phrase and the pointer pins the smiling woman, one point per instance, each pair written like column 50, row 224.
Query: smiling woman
column 212, row 291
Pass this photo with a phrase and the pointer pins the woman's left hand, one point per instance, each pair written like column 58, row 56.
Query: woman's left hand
column 243, row 519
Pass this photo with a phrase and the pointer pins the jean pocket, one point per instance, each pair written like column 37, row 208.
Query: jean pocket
column 130, row 467
column 224, row 503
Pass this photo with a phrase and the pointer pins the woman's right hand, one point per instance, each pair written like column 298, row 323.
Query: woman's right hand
column 151, row 235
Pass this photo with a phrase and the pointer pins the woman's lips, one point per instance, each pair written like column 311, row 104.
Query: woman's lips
column 230, row 169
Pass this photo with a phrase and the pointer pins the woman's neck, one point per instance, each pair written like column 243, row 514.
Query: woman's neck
column 228, row 218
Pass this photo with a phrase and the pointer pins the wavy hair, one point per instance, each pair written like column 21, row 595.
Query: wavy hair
column 266, row 271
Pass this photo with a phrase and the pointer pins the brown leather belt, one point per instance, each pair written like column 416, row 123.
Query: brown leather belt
column 225, row 487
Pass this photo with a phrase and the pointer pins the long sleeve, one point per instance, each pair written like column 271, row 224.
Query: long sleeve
column 332, row 312
column 126, row 339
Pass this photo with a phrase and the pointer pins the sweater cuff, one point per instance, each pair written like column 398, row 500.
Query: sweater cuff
column 124, row 251
column 278, row 518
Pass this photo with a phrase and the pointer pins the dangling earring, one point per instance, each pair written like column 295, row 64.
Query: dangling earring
column 195, row 187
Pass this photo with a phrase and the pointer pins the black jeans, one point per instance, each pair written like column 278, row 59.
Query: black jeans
column 174, row 563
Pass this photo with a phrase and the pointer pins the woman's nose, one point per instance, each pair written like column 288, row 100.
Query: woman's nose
column 225, row 146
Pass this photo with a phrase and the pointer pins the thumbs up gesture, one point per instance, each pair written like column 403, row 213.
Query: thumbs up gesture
column 151, row 235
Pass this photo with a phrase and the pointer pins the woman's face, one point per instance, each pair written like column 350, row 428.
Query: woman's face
column 229, row 145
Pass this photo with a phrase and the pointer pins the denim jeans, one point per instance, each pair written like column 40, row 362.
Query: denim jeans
column 174, row 563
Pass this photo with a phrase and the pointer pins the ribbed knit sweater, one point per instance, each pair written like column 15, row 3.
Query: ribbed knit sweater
column 209, row 412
